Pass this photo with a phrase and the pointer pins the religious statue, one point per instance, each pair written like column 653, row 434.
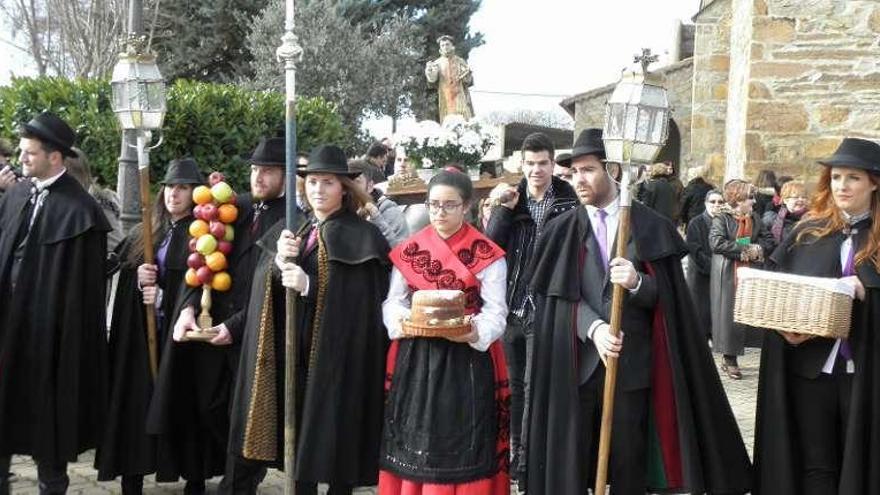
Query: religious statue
column 452, row 76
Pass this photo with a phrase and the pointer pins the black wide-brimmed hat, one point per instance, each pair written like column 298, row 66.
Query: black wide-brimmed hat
column 327, row 159
column 269, row 153
column 563, row 159
column 183, row 171
column 856, row 153
column 49, row 128
column 588, row 142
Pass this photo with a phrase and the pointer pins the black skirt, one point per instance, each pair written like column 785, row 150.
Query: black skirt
column 440, row 418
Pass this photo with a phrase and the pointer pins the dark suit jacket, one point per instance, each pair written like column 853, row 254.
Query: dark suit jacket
column 596, row 294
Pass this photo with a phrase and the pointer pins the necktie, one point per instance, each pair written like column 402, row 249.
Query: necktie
column 849, row 268
column 602, row 236
column 259, row 208
column 313, row 238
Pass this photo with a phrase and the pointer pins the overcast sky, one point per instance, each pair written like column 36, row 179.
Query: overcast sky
column 548, row 47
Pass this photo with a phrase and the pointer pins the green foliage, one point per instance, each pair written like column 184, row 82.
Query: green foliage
column 217, row 124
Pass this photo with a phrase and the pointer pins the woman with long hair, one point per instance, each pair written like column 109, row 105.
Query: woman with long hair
column 127, row 450
column 337, row 263
column 793, row 196
column 737, row 238
column 447, row 411
column 818, row 414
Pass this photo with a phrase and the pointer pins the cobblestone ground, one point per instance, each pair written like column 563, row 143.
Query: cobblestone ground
column 742, row 394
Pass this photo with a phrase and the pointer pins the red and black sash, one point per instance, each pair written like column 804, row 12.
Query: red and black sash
column 429, row 262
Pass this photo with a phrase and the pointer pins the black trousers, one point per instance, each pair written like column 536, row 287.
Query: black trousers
column 627, row 466
column 242, row 476
column 52, row 477
column 518, row 344
column 820, row 408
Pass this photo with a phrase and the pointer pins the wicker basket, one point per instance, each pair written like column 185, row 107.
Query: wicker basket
column 793, row 303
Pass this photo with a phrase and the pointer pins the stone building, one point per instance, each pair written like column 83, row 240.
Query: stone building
column 774, row 84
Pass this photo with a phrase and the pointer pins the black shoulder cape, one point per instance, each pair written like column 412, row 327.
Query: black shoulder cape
column 340, row 404
column 776, row 449
column 712, row 457
column 53, row 348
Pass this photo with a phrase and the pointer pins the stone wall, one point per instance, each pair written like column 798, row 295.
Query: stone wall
column 588, row 109
column 710, row 87
column 738, row 89
column 814, row 79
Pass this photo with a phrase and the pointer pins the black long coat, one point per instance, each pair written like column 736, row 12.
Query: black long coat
column 53, row 347
column 777, row 459
column 700, row 267
column 712, row 453
column 341, row 359
column 126, row 449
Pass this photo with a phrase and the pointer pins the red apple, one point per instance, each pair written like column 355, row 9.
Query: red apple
column 224, row 247
column 192, row 244
column 197, row 212
column 205, row 275
column 233, row 199
column 209, row 212
column 217, row 229
column 215, row 177
column 195, row 260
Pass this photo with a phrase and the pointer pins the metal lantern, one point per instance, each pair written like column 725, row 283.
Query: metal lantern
column 637, row 116
column 138, row 92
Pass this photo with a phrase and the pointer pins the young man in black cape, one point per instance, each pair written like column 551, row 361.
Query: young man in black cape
column 673, row 429
column 53, row 347
column 341, row 353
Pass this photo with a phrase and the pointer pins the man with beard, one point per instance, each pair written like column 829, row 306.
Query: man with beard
column 673, row 429
column 516, row 223
column 53, row 348
column 196, row 377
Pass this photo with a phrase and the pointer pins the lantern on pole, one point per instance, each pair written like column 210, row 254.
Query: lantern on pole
column 636, row 128
column 139, row 104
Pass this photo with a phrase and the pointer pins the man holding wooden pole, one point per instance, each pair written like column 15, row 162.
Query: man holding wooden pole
column 672, row 427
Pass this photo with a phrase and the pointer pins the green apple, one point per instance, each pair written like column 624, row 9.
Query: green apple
column 222, row 192
column 206, row 244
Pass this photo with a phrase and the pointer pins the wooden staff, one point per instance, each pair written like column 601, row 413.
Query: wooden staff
column 147, row 225
column 289, row 53
column 623, row 231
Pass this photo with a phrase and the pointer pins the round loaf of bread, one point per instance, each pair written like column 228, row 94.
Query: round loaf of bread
column 437, row 313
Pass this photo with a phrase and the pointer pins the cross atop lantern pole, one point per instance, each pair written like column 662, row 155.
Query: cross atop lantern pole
column 645, row 59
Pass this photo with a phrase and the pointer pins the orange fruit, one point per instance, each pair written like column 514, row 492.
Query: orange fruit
column 198, row 228
column 202, row 195
column 192, row 279
column 228, row 213
column 222, row 282
column 216, row 261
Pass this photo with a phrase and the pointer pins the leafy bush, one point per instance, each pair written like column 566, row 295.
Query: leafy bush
column 216, row 124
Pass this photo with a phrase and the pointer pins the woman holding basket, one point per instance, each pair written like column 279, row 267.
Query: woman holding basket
column 447, row 409
column 818, row 415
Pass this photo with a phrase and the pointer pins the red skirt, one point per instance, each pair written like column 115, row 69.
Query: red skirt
column 499, row 484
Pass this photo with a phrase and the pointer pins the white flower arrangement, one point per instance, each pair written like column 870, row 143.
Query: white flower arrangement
column 455, row 141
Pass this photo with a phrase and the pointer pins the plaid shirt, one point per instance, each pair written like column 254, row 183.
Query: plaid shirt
column 538, row 210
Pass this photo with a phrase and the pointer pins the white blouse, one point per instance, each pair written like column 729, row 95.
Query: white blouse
column 489, row 322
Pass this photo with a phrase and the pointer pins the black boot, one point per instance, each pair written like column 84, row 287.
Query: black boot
column 132, row 484
column 194, row 487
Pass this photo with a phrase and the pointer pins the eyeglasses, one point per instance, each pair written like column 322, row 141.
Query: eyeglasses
column 716, row 202
column 446, row 206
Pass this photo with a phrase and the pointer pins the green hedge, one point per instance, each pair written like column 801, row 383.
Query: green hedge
column 217, row 124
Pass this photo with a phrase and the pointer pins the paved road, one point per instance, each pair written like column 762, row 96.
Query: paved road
column 83, row 478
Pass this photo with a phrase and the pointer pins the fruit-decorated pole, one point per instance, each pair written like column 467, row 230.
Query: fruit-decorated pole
column 289, row 53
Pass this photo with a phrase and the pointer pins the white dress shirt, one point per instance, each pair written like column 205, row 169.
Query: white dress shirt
column 489, row 322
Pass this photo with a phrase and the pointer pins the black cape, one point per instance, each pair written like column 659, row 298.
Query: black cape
column 776, row 448
column 340, row 404
column 53, row 348
column 713, row 455
column 126, row 449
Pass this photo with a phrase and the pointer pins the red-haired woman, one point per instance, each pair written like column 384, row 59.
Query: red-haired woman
column 818, row 419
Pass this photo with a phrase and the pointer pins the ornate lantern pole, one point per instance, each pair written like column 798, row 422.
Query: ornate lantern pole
column 139, row 104
column 636, row 128
column 289, row 53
